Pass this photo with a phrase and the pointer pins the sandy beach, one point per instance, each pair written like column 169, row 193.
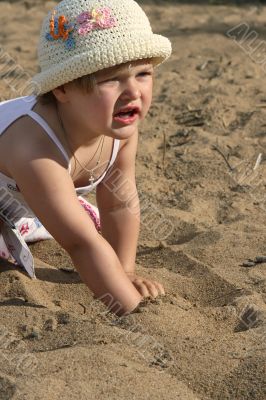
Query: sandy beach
column 201, row 176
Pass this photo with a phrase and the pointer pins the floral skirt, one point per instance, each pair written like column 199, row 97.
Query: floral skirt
column 13, row 240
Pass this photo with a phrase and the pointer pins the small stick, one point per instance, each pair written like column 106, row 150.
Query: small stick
column 224, row 123
column 204, row 65
column 258, row 162
column 216, row 148
column 164, row 148
column 84, row 308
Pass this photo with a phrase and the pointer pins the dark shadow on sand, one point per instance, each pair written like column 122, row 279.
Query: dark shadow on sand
column 9, row 266
column 43, row 274
column 57, row 276
column 19, row 303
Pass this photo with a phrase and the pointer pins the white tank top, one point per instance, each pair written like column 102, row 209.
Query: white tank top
column 12, row 203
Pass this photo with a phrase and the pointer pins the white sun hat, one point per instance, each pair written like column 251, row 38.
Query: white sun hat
column 79, row 37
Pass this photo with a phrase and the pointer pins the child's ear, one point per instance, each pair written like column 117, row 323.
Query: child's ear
column 60, row 94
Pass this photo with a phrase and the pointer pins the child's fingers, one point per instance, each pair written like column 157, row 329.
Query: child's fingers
column 152, row 288
column 141, row 287
column 149, row 288
column 156, row 287
column 159, row 287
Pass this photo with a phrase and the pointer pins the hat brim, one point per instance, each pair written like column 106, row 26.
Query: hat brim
column 155, row 47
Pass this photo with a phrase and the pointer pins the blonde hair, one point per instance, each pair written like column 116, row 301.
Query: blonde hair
column 88, row 83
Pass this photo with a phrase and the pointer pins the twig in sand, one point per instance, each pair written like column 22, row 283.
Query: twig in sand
column 63, row 346
column 201, row 67
column 225, row 123
column 216, row 148
column 258, row 161
column 192, row 117
column 164, row 148
column 84, row 308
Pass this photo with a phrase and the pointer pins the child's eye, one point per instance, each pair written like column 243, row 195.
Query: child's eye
column 115, row 78
column 145, row 73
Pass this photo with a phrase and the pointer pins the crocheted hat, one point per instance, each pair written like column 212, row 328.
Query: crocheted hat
column 80, row 37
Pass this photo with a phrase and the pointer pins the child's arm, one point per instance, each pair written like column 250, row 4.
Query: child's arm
column 48, row 189
column 118, row 203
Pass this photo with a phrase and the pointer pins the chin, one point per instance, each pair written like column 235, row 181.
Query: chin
column 124, row 132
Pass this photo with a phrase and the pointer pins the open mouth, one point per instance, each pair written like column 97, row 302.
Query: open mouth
column 127, row 112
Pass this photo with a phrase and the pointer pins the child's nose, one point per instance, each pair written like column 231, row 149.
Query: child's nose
column 130, row 90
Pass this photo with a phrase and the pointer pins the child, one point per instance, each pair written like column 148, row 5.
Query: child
column 79, row 131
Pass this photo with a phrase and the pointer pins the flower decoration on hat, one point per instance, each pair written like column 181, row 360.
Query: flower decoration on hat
column 60, row 28
column 96, row 19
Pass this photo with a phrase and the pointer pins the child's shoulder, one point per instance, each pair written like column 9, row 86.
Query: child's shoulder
column 24, row 136
column 9, row 109
column 12, row 112
column 21, row 133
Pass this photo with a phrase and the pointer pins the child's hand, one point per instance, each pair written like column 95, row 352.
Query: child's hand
column 146, row 287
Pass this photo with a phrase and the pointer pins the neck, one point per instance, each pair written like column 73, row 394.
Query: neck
column 80, row 138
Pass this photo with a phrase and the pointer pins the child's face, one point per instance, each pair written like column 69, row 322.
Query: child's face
column 104, row 111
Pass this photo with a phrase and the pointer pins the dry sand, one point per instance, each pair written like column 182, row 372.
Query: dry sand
column 206, row 338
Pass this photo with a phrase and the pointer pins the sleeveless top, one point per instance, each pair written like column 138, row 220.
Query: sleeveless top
column 12, row 202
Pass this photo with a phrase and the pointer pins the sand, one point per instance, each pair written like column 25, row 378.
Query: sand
column 200, row 221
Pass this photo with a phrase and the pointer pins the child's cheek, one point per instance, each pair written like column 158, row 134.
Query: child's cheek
column 148, row 102
column 149, row 95
column 144, row 112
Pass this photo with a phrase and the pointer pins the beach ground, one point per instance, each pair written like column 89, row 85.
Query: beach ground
column 203, row 215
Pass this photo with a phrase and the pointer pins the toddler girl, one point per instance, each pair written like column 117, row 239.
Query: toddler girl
column 79, row 131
